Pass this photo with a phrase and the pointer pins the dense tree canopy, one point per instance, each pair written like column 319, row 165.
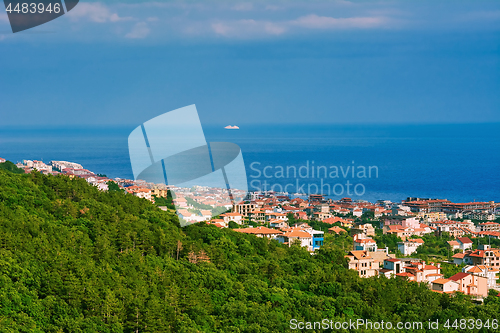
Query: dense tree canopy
column 74, row 259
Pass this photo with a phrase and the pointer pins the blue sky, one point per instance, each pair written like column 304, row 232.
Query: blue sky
column 122, row 63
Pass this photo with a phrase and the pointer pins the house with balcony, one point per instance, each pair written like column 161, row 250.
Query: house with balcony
column 488, row 272
column 363, row 243
column 363, row 263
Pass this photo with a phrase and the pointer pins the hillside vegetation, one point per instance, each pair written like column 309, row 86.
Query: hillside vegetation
column 73, row 259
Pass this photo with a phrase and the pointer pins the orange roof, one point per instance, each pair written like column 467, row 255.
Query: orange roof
column 441, row 281
column 259, row 231
column 232, row 214
column 297, row 233
column 464, row 240
column 416, row 240
column 405, row 274
column 336, row 229
column 475, row 269
column 360, row 254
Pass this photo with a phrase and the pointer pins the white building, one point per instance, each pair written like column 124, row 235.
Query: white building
column 488, row 272
column 234, row 217
column 409, row 246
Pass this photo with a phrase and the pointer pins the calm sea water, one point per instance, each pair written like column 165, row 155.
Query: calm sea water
column 456, row 162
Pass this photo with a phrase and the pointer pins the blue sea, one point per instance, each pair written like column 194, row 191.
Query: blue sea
column 459, row 162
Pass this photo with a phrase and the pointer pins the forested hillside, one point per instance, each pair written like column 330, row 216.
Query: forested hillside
column 73, row 259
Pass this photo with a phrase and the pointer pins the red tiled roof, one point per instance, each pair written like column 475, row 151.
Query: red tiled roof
column 459, row 276
column 464, row 240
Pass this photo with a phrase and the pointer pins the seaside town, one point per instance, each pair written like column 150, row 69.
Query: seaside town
column 469, row 228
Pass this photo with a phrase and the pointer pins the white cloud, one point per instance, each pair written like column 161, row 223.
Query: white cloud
column 254, row 28
column 324, row 22
column 139, row 31
column 95, row 12
column 245, row 6
column 247, row 28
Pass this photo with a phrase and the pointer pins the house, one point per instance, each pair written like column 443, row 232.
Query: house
column 261, row 232
column 444, row 286
column 366, row 229
column 411, row 269
column 336, row 230
column 424, row 272
column 144, row 193
column 363, row 243
column 232, row 217
column 335, row 219
column 2, row 160
column 489, row 273
column 293, row 235
column 180, row 202
column 218, row 223
column 276, row 216
column 458, row 258
column 244, row 208
column 484, row 255
column 470, row 284
column 464, row 243
column 391, row 267
column 313, row 240
column 320, row 216
column 257, row 216
column 207, row 215
column 279, row 224
column 362, row 262
column 317, row 238
column 159, row 193
column 356, row 211
column 454, row 245
column 409, row 246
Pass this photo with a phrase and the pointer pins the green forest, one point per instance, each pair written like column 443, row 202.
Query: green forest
column 74, row 259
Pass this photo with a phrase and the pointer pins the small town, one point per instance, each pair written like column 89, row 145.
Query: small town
column 451, row 247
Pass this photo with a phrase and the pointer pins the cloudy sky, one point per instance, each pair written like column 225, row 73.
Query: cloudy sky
column 124, row 62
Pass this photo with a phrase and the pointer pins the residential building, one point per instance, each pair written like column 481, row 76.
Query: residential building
column 336, row 230
column 454, row 245
column 409, row 246
column 363, row 243
column 488, row 226
column 366, row 229
column 279, row 224
column 411, row 269
column 464, row 243
column 261, row 232
column 293, row 235
column 232, row 217
column 470, row 284
column 444, row 286
column 362, row 262
column 490, row 273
